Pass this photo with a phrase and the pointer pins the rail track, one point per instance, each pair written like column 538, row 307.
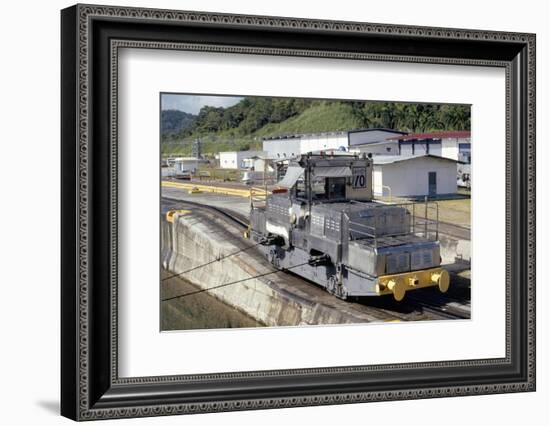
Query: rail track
column 446, row 310
column 437, row 306
column 236, row 218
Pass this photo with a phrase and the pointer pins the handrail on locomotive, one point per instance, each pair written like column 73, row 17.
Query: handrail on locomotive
column 429, row 227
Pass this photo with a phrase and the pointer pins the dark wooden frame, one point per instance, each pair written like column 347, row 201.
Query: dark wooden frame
column 90, row 386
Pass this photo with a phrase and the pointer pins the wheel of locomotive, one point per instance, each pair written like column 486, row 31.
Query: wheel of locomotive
column 274, row 259
column 332, row 285
column 341, row 292
column 336, row 289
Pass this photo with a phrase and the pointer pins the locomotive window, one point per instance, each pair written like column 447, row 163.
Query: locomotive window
column 336, row 188
column 319, row 188
column 329, row 188
column 322, row 188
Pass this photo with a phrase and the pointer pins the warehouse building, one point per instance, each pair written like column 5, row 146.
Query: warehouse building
column 188, row 164
column 237, row 159
column 414, row 176
column 290, row 146
column 182, row 166
column 378, row 148
column 259, row 163
column 455, row 145
column 374, row 141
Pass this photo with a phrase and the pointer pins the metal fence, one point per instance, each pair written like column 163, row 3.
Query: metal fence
column 423, row 222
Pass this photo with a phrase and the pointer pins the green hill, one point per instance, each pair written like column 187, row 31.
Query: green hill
column 322, row 117
column 243, row 125
column 174, row 121
column 319, row 117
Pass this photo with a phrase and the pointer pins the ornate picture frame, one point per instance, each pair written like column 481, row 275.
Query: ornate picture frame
column 90, row 38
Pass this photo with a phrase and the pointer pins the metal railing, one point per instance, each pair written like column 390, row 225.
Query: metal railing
column 388, row 188
column 424, row 221
column 367, row 231
column 428, row 223
column 258, row 198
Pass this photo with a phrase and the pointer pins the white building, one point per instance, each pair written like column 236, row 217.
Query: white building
column 282, row 147
column 455, row 145
column 182, row 165
column 378, row 148
column 259, row 163
column 417, row 175
column 374, row 141
column 237, row 159
column 188, row 164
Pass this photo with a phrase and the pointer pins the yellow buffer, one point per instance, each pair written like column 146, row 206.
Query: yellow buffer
column 171, row 214
column 399, row 284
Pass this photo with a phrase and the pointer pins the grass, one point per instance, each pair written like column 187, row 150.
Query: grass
column 322, row 117
column 455, row 211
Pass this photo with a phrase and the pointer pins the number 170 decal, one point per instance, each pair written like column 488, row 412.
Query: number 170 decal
column 359, row 177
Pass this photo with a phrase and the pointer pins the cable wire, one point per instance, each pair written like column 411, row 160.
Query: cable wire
column 233, row 282
column 209, row 263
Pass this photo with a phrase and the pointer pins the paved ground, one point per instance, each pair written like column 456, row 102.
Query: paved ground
column 238, row 204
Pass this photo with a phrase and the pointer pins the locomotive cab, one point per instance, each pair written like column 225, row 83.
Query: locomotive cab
column 326, row 227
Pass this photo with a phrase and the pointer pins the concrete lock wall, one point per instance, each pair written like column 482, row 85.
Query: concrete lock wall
column 190, row 242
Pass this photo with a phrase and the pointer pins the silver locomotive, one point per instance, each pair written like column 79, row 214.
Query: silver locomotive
column 322, row 223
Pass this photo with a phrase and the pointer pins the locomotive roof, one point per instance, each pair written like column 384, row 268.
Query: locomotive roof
column 293, row 173
column 329, row 159
column 322, row 165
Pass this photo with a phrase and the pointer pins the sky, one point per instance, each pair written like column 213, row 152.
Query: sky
column 192, row 103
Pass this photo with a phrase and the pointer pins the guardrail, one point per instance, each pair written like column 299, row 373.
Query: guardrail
column 258, row 198
column 239, row 192
column 426, row 225
column 367, row 231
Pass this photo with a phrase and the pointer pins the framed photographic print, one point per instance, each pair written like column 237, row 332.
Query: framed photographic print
column 263, row 212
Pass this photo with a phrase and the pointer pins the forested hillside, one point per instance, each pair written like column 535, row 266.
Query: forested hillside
column 243, row 125
column 174, row 121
